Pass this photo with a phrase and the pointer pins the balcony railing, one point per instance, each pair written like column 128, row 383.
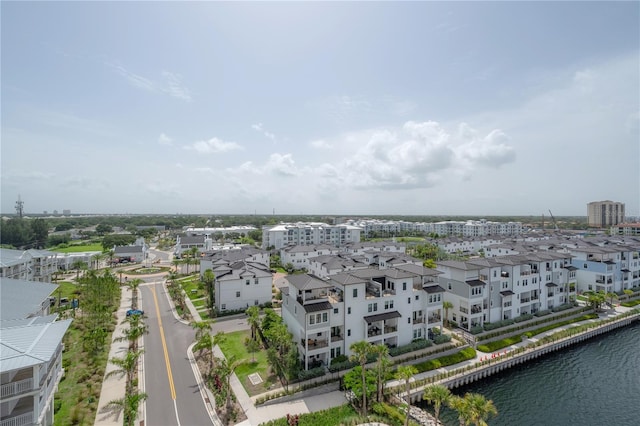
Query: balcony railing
column 16, row 388
column 535, row 297
column 21, row 420
column 313, row 344
column 434, row 319
column 525, row 300
column 476, row 309
column 418, row 320
column 464, row 310
column 390, row 328
column 336, row 337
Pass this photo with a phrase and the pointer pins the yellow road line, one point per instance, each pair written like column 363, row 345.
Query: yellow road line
column 164, row 345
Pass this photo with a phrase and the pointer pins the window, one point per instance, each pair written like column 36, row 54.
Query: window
column 404, row 286
column 449, row 286
column 318, row 318
column 325, row 317
column 237, row 294
column 255, row 281
column 247, row 282
column 355, row 292
column 370, row 307
column 375, row 307
column 349, row 332
column 255, row 302
column 224, row 306
column 312, row 319
column 417, row 297
column 409, row 320
column 409, row 300
column 335, row 310
column 349, row 310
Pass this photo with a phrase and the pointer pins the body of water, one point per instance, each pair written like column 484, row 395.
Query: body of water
column 593, row 383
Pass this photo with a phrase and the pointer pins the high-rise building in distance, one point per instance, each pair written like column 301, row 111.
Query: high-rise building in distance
column 602, row 214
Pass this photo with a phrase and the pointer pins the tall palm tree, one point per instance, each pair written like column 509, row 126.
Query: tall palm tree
column 437, row 395
column 360, row 351
column 253, row 318
column 133, row 285
column 611, row 295
column 205, row 343
column 209, row 279
column 129, row 405
column 463, row 407
column 201, row 328
column 481, row 408
column 193, row 253
column 446, row 305
column 127, row 366
column 406, row 373
column 226, row 369
column 382, row 363
column 137, row 328
column 175, row 263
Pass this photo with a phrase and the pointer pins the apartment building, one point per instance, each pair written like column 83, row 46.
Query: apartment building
column 232, row 254
column 309, row 233
column 30, row 353
column 31, row 265
column 242, row 230
column 241, row 284
column 184, row 243
column 494, row 289
column 299, row 255
column 390, row 306
column 627, row 229
column 603, row 214
column 607, row 267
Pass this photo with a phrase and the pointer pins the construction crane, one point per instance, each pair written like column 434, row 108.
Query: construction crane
column 555, row 224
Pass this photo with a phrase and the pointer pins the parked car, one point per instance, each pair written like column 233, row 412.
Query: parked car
column 135, row 312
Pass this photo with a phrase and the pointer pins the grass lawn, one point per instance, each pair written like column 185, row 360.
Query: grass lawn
column 233, row 347
column 199, row 303
column 192, row 284
column 79, row 248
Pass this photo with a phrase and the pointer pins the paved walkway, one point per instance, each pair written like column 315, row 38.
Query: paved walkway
column 114, row 387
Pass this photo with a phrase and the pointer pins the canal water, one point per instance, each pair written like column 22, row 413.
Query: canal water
column 594, row 383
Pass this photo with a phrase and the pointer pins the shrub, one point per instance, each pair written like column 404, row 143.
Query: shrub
column 389, row 411
column 499, row 344
column 562, row 307
column 338, row 366
column 524, row 317
column 542, row 313
column 413, row 346
column 477, row 329
column 310, row 374
column 339, row 359
column 488, row 326
column 630, row 304
column 443, row 361
column 442, row 338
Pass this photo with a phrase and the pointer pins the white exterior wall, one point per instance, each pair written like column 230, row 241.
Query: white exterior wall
column 226, row 293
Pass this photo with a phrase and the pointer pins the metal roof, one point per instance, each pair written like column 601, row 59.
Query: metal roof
column 507, row 293
column 315, row 307
column 475, row 283
column 551, row 285
column 29, row 345
column 20, row 298
column 433, row 289
column 381, row 317
column 306, row 282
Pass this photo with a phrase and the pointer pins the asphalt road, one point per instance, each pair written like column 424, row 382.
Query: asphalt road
column 173, row 394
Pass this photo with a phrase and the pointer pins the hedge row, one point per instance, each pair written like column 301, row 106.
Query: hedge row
column 444, row 361
column 560, row 324
column 631, row 304
column 413, row 346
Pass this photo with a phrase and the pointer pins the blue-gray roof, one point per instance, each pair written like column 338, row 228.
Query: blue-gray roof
column 20, row 299
column 29, row 345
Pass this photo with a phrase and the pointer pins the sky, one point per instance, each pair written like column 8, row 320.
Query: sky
column 417, row 108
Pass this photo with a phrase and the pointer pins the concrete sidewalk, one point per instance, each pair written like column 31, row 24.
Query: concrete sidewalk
column 114, row 387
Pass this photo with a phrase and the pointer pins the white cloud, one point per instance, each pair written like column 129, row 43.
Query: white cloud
column 170, row 83
column 163, row 139
column 213, row 146
column 174, row 87
column 260, row 128
column 320, row 144
column 133, row 79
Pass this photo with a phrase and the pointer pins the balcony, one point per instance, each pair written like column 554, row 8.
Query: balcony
column 336, row 337
column 419, row 320
column 21, row 420
column 464, row 310
column 535, row 297
column 434, row 319
column 476, row 309
column 504, row 274
column 313, row 344
column 390, row 328
column 600, row 280
column 525, row 300
column 16, row 388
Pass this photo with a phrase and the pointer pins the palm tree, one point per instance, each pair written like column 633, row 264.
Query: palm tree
column 205, row 343
column 133, row 285
column 226, row 369
column 129, row 405
column 193, row 256
column 175, row 263
column 462, row 406
column 78, row 265
column 446, row 305
column 360, row 351
column 127, row 366
column 406, row 373
column 97, row 258
column 137, row 328
column 437, row 395
column 611, row 295
column 628, row 293
column 209, row 279
column 201, row 328
column 252, row 347
column 253, row 318
column 481, row 408
column 382, row 353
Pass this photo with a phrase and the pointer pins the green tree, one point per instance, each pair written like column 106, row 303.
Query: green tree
column 382, row 368
column 137, row 328
column 40, row 232
column 438, row 395
column 253, row 318
column 78, row 265
column 129, row 405
column 446, row 305
column 628, row 293
column 360, row 352
column 103, row 229
column 226, row 368
column 611, row 295
column 127, row 366
column 209, row 279
column 353, row 382
column 133, row 286
column 252, row 346
column 596, row 300
column 462, row 406
column 406, row 373
column 203, row 345
column 481, row 408
column 201, row 327
column 15, row 232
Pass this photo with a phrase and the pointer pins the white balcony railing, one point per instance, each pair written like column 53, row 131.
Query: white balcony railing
column 21, row 420
column 16, row 388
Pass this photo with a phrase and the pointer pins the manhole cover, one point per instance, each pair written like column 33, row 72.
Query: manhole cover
column 255, row 379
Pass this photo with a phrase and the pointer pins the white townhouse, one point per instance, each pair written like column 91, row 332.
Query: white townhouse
column 241, row 284
column 392, row 306
column 299, row 255
column 607, row 267
column 215, row 258
column 377, row 246
column 242, row 230
column 184, row 243
column 32, row 265
column 324, row 266
column 30, row 353
column 309, row 233
column 495, row 289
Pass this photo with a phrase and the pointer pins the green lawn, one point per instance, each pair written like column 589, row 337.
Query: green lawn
column 199, row 303
column 79, row 248
column 233, row 347
column 193, row 283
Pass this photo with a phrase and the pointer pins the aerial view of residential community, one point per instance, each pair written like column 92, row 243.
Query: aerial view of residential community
column 320, row 213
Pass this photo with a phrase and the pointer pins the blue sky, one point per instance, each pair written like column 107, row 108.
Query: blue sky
column 469, row 108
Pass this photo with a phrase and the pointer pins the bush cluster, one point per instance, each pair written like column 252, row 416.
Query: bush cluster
column 488, row 326
column 524, row 317
column 499, row 344
column 442, row 338
column 413, row 346
column 444, row 361
column 311, row 374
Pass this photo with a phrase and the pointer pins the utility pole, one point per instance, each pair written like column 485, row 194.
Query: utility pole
column 19, row 207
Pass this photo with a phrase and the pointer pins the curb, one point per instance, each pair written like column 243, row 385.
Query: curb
column 207, row 397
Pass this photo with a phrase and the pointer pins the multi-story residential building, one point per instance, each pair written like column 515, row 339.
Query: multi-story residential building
column 390, row 306
column 326, row 265
column 470, row 228
column 232, row 254
column 241, row 284
column 31, row 265
column 494, row 289
column 603, row 214
column 299, row 255
column 242, row 230
column 607, row 267
column 628, row 229
column 185, row 243
column 374, row 246
column 301, row 233
column 30, row 353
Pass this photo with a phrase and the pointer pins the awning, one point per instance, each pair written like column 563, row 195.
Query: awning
column 315, row 307
column 381, row 317
column 434, row 289
column 551, row 285
column 571, row 268
column 625, row 270
column 507, row 293
column 475, row 283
